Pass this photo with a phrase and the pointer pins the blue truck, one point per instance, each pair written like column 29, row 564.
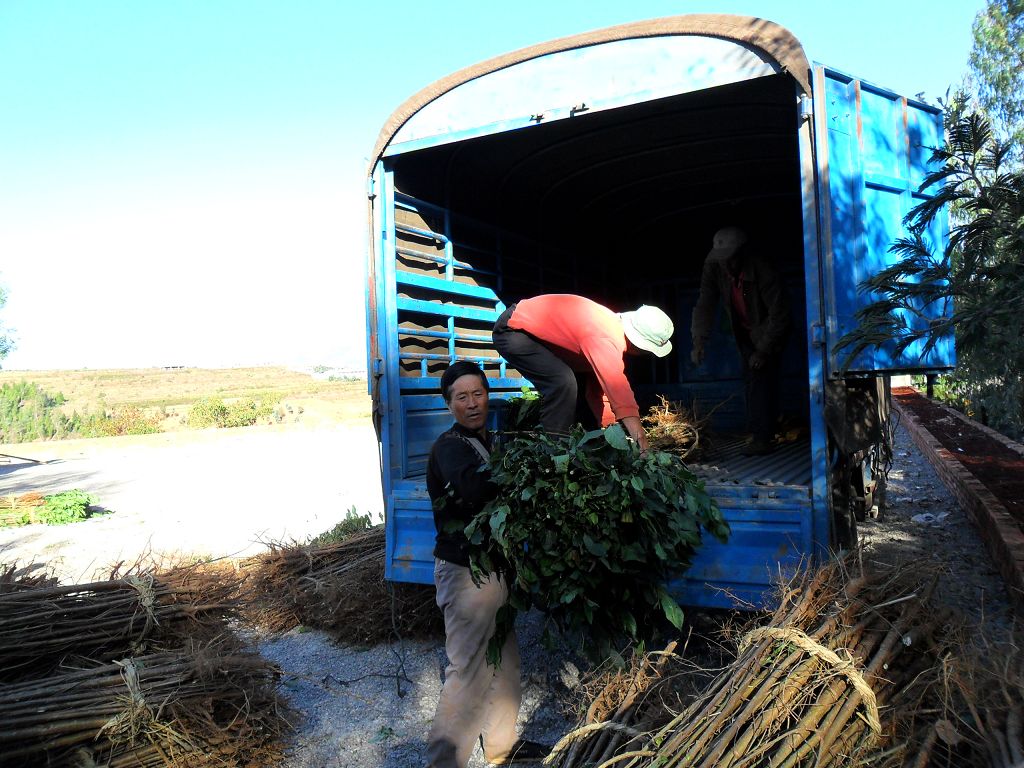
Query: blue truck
column 601, row 165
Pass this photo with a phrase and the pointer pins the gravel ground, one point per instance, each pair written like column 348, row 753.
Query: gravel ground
column 372, row 706
column 367, row 707
column 923, row 520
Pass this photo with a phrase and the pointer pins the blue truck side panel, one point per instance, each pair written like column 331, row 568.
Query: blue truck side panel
column 874, row 149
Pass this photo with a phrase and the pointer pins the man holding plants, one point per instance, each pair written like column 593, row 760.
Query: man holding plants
column 477, row 701
column 555, row 339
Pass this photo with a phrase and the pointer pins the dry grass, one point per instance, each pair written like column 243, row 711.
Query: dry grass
column 171, row 391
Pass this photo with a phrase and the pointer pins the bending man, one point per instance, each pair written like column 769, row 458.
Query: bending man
column 476, row 700
column 554, row 338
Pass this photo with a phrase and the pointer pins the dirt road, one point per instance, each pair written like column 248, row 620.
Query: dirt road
column 210, row 493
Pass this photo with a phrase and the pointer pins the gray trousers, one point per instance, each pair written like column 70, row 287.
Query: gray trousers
column 476, row 698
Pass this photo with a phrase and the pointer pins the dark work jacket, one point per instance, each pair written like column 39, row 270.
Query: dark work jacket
column 763, row 293
column 453, row 465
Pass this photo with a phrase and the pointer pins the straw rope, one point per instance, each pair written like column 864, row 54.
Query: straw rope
column 582, row 731
column 844, row 666
column 136, row 715
column 146, row 587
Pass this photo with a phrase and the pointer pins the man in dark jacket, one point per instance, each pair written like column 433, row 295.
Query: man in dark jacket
column 750, row 288
column 476, row 700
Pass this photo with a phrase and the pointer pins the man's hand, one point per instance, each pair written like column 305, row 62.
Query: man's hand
column 697, row 353
column 636, row 431
column 756, row 361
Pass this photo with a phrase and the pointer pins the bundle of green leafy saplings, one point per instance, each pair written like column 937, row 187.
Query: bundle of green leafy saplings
column 589, row 530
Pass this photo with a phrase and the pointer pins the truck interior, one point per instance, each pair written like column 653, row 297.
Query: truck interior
column 620, row 206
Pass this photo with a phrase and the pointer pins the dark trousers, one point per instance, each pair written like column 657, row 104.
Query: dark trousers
column 762, row 391
column 561, row 390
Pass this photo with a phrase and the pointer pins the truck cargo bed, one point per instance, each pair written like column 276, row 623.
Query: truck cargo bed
column 789, row 464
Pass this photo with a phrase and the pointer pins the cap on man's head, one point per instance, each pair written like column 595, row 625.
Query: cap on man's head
column 728, row 239
column 649, row 329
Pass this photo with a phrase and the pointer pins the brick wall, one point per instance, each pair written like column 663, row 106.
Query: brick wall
column 1000, row 532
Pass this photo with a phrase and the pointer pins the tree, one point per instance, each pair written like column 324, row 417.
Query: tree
column 981, row 270
column 997, row 66
column 6, row 345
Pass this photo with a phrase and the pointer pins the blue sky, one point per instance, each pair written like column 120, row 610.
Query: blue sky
column 182, row 182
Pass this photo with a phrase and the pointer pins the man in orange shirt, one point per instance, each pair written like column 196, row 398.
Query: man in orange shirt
column 552, row 338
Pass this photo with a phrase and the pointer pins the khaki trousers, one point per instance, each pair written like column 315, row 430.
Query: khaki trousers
column 476, row 698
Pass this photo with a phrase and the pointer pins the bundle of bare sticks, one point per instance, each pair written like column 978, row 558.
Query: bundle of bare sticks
column 846, row 673
column 20, row 510
column 339, row 588
column 213, row 704
column 43, row 623
column 30, row 499
column 672, row 427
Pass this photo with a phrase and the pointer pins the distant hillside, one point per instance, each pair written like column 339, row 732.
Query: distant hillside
column 172, row 391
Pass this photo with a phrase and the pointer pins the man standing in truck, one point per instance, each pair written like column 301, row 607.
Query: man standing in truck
column 555, row 340
column 477, row 701
column 751, row 290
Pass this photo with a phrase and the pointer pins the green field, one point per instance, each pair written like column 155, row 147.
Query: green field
column 170, row 392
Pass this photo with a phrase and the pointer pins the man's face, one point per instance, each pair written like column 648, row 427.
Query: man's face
column 468, row 402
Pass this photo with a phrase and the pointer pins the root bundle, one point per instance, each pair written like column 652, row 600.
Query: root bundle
column 674, row 428
column 847, row 672
column 339, row 588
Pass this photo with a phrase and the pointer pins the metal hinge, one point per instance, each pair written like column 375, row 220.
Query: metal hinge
column 817, row 334
column 370, row 191
column 804, row 109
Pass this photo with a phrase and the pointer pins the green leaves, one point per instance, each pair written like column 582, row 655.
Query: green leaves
column 671, row 608
column 588, row 530
column 616, row 437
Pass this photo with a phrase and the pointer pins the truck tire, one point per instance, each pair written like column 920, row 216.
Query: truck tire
column 844, row 515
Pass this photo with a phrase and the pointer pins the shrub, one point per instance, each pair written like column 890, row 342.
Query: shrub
column 127, row 420
column 29, row 413
column 352, row 523
column 246, row 413
column 208, row 412
column 214, row 412
column 66, row 507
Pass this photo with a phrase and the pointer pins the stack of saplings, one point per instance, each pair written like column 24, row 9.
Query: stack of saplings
column 140, row 670
column 44, row 625
column 589, row 530
column 849, row 671
column 339, row 588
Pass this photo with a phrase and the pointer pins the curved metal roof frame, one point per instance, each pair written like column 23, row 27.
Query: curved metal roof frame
column 775, row 41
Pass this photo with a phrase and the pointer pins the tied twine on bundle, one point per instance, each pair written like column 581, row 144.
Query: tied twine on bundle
column 146, row 587
column 136, row 716
column 845, row 667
